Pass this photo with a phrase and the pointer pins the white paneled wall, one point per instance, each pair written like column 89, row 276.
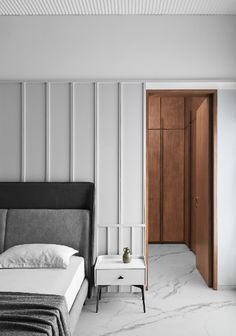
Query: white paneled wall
column 81, row 131
column 120, row 154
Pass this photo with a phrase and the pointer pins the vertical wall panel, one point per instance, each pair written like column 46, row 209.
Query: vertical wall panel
column 132, row 153
column 108, row 153
column 114, row 240
column 102, row 240
column 35, row 132
column 126, row 238
column 10, row 131
column 84, row 131
column 137, row 248
column 60, row 132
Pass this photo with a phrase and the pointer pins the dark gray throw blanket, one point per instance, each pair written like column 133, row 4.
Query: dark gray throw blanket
column 33, row 314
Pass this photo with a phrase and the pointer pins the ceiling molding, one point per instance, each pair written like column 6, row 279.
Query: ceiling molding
column 149, row 83
column 117, row 7
column 191, row 85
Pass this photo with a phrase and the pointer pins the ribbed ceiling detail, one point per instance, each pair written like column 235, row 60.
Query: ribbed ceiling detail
column 117, row 7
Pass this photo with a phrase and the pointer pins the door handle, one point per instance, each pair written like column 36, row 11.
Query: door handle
column 196, row 201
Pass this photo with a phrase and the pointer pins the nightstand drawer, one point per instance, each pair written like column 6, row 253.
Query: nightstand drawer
column 120, row 277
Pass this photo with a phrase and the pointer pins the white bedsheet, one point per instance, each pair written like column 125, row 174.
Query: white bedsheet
column 65, row 282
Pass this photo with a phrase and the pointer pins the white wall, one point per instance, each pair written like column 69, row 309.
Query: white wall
column 227, row 187
column 175, row 47
column 113, row 47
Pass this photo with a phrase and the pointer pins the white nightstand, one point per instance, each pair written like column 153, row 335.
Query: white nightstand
column 110, row 270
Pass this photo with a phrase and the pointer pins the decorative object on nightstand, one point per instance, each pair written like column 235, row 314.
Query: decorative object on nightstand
column 126, row 255
column 110, row 270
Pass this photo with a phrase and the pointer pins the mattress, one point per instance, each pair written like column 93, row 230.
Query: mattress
column 65, row 282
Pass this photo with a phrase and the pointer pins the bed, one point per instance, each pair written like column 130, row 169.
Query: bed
column 50, row 213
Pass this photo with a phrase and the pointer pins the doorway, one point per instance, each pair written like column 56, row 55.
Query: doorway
column 181, row 174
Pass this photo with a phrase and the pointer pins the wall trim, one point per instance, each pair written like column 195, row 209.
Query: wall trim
column 72, row 132
column 227, row 287
column 144, row 117
column 191, row 85
column 48, row 168
column 118, row 225
column 96, row 161
column 23, row 132
column 151, row 84
column 120, row 158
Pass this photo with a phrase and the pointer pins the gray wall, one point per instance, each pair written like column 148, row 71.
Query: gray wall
column 174, row 47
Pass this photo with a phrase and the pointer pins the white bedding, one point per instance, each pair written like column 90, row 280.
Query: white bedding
column 65, row 282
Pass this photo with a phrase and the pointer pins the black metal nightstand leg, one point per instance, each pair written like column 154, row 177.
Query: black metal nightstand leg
column 143, row 296
column 98, row 296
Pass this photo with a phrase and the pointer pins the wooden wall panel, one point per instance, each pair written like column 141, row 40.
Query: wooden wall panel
column 173, row 182
column 187, row 185
column 172, row 112
column 194, row 103
column 154, row 112
column 60, row 132
column 35, row 157
column 10, row 131
column 84, row 131
column 154, row 171
column 193, row 186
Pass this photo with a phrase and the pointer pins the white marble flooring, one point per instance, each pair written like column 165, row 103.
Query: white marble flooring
column 178, row 303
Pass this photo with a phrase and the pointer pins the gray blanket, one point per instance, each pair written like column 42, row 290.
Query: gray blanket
column 33, row 314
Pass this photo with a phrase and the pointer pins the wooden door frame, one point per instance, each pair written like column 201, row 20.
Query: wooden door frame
column 213, row 133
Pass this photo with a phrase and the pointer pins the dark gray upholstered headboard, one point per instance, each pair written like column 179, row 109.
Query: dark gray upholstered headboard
column 55, row 212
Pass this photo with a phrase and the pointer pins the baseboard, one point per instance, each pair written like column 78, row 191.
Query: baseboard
column 227, row 287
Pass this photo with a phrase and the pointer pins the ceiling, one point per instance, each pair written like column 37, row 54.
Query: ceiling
column 117, row 7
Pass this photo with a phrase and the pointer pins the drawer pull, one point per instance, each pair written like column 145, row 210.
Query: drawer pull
column 120, row 277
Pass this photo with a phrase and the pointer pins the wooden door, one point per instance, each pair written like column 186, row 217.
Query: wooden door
column 154, row 217
column 173, row 186
column 187, row 184
column 203, row 185
column 193, row 186
column 193, row 104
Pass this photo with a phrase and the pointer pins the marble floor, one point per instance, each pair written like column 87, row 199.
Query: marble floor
column 178, row 303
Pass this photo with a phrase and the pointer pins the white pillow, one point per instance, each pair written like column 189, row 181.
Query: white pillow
column 37, row 256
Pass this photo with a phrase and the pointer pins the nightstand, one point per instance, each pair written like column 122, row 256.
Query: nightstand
column 111, row 271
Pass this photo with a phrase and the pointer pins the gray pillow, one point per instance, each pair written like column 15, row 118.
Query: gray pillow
column 37, row 256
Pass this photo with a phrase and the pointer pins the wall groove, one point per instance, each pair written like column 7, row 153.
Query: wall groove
column 72, row 132
column 144, row 127
column 120, row 158
column 96, row 161
column 23, row 131
column 48, row 126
